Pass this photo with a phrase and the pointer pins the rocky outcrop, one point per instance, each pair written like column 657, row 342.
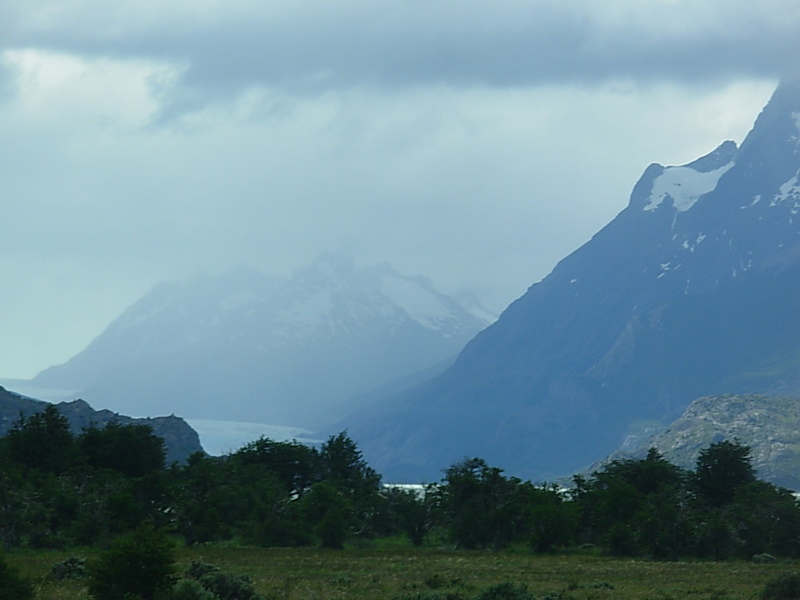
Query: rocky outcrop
column 180, row 439
column 769, row 425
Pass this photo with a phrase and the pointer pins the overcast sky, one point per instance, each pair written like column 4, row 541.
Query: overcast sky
column 473, row 142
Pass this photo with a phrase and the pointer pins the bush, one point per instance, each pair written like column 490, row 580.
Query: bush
column 506, row 591
column 12, row 585
column 198, row 569
column 139, row 565
column 73, row 567
column 764, row 559
column 189, row 589
column 433, row 595
column 220, row 584
column 784, row 587
column 227, row 586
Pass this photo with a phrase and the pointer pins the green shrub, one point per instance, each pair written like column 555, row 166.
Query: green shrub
column 506, row 591
column 189, row 589
column 227, row 586
column 73, row 567
column 220, row 584
column 12, row 585
column 198, row 569
column 139, row 565
column 783, row 587
column 764, row 559
column 433, row 595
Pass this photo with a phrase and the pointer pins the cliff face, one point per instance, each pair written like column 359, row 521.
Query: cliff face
column 180, row 439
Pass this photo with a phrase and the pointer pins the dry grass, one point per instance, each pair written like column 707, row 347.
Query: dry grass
column 294, row 574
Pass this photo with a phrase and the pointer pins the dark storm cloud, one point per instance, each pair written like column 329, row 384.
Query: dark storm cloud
column 312, row 46
column 531, row 48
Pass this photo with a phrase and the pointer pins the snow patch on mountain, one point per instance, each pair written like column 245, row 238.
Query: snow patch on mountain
column 691, row 246
column 419, row 303
column 788, row 191
column 684, row 185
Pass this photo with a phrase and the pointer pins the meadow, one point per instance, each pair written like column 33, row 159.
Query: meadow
column 439, row 574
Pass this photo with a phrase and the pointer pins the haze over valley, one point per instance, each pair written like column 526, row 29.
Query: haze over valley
column 439, row 234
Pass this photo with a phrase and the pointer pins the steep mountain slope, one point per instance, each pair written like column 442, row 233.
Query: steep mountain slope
column 181, row 441
column 246, row 346
column 692, row 289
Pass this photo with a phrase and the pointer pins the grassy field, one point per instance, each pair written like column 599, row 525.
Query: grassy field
column 429, row 574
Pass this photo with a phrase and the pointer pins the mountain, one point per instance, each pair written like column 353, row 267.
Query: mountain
column 251, row 347
column 691, row 290
column 181, row 441
column 770, row 425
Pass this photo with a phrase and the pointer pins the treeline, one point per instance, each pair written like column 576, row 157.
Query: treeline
column 635, row 507
column 59, row 490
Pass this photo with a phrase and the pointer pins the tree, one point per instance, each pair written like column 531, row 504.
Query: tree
column 133, row 450
column 204, row 497
column 765, row 518
column 342, row 466
column 297, row 466
column 721, row 469
column 553, row 519
column 329, row 514
column 42, row 441
column 635, row 506
column 411, row 512
column 481, row 507
column 140, row 565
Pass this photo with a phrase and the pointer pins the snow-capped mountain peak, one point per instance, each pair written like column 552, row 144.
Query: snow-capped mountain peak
column 692, row 289
column 276, row 348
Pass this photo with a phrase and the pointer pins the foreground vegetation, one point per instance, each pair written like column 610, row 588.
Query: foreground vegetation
column 434, row 574
column 102, row 514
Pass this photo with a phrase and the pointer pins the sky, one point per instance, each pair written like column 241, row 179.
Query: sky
column 476, row 143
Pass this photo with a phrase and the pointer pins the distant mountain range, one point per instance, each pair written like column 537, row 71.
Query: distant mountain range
column 245, row 346
column 180, row 440
column 692, row 290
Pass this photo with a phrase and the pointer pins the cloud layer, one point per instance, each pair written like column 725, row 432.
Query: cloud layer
column 315, row 45
column 473, row 142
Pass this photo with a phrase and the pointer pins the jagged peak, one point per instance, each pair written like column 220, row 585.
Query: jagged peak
column 783, row 107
